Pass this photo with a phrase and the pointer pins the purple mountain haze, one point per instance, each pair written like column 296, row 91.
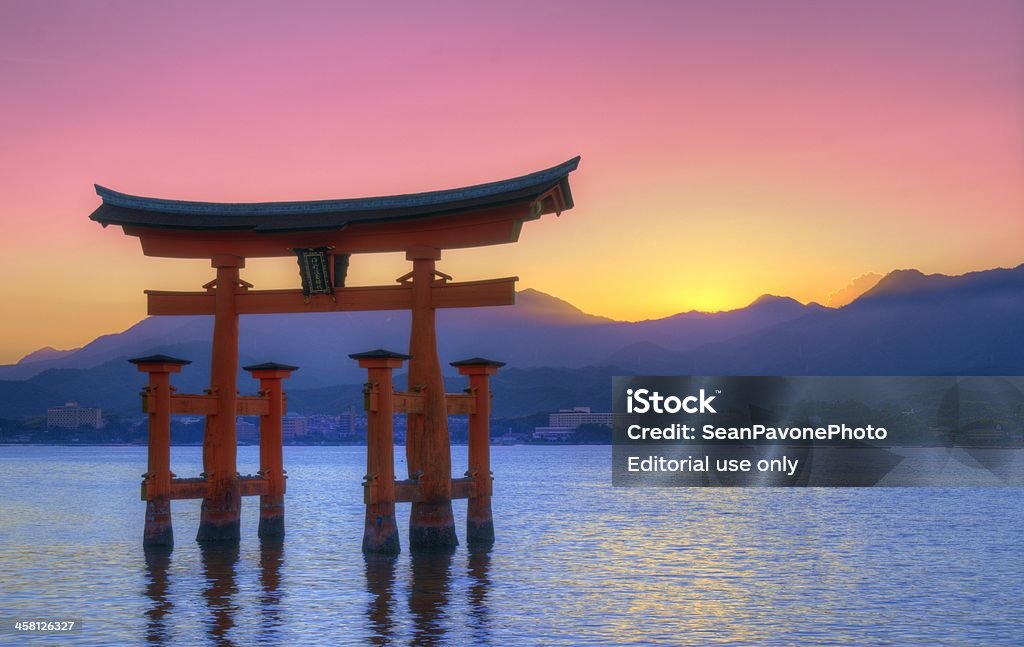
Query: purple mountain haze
column 909, row 323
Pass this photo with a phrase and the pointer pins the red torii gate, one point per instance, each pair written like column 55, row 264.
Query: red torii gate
column 421, row 225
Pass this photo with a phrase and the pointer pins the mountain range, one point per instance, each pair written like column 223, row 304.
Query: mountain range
column 908, row 323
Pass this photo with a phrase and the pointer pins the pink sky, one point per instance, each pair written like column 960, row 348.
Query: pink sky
column 729, row 148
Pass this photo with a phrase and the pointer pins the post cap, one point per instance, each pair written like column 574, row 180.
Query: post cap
column 159, row 359
column 270, row 366
column 380, row 353
column 478, row 361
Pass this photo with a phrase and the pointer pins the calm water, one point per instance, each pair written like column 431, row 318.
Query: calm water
column 577, row 561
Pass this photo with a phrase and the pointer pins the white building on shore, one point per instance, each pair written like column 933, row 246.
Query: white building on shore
column 72, row 416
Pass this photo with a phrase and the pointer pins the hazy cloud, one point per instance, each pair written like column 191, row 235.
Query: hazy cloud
column 856, row 288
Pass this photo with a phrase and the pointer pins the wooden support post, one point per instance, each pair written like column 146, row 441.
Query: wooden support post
column 271, row 376
column 221, row 508
column 157, row 400
column 380, row 532
column 479, row 522
column 427, row 445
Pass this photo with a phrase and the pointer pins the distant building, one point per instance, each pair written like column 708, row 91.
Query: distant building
column 293, row 426
column 322, row 425
column 347, row 425
column 554, row 433
column 562, row 424
column 577, row 416
column 341, row 427
column 246, row 431
column 72, row 416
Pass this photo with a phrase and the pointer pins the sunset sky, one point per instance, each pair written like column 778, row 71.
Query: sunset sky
column 729, row 148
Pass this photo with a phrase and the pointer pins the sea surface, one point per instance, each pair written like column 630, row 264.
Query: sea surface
column 577, row 562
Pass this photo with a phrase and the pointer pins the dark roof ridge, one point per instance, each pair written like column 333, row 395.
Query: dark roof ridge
column 424, row 199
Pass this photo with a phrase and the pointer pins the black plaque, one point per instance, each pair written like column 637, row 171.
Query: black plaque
column 314, row 268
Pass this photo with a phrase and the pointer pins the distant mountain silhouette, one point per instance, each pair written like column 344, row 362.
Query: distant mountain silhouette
column 540, row 330
column 544, row 308
column 148, row 334
column 914, row 284
column 907, row 283
column 45, row 353
column 909, row 323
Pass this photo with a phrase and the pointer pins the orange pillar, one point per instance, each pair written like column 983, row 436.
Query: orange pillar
column 428, row 450
column 219, row 516
column 479, row 522
column 157, row 484
column 271, row 376
column 380, row 531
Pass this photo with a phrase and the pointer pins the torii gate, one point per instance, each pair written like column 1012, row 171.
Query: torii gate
column 323, row 234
